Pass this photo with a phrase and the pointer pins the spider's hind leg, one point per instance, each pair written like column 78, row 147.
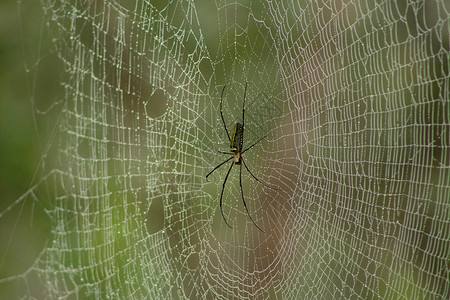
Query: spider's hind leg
column 243, row 199
column 221, row 194
column 265, row 184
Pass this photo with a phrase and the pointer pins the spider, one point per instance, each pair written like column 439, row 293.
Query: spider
column 236, row 150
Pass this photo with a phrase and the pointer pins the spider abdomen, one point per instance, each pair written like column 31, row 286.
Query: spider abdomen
column 237, row 138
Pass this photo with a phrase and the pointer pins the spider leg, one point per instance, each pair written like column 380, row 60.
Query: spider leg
column 226, row 152
column 243, row 106
column 251, row 146
column 243, row 115
column 221, row 194
column 271, row 187
column 221, row 114
column 218, row 167
column 243, row 200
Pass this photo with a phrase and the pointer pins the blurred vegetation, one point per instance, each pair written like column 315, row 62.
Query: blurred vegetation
column 26, row 89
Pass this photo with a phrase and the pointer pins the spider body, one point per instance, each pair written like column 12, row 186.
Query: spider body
column 236, row 150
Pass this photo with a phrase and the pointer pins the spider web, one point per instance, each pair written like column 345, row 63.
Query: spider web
column 353, row 97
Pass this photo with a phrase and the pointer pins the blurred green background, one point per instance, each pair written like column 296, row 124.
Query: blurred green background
column 18, row 138
column 27, row 90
